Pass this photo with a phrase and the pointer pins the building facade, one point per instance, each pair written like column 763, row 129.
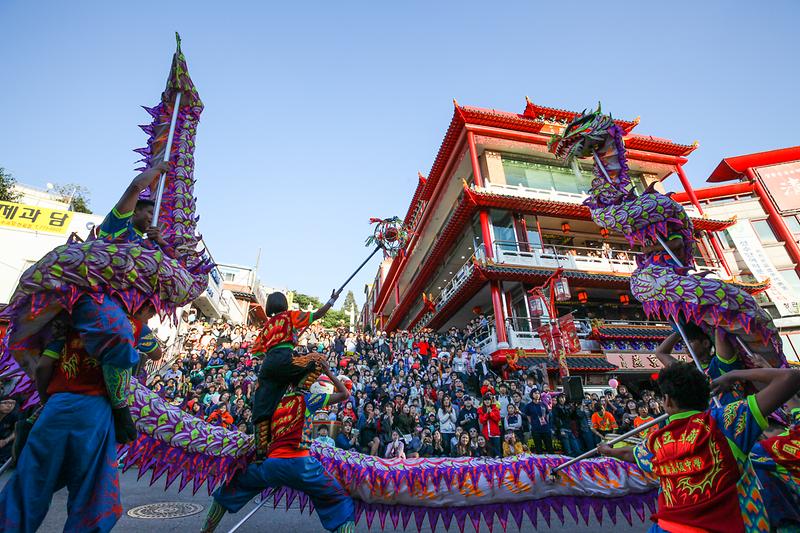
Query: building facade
column 763, row 191
column 498, row 214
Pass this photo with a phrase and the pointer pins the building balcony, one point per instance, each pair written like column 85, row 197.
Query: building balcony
column 567, row 257
column 536, row 194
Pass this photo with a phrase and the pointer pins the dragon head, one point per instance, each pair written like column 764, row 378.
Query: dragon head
column 584, row 133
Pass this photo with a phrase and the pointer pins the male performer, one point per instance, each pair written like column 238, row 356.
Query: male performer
column 776, row 461
column 716, row 357
column 700, row 456
column 73, row 442
column 289, row 464
column 280, row 366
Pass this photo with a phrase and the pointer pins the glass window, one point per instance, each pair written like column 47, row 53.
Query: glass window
column 793, row 224
column 727, row 241
column 504, row 235
column 764, row 231
column 792, row 280
column 533, row 233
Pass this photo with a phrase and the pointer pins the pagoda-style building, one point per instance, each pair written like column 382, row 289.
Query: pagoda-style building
column 498, row 214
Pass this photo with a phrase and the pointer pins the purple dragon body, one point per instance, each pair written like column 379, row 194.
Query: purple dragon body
column 666, row 289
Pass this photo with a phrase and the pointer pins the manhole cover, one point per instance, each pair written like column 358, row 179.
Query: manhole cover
column 160, row 510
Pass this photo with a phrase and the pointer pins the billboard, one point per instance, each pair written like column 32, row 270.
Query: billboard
column 34, row 218
column 782, row 183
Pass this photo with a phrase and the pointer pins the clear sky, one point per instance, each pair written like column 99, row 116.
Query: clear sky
column 319, row 114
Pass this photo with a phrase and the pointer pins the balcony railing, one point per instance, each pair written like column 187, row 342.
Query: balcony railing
column 458, row 280
column 568, row 257
column 606, row 259
column 539, row 194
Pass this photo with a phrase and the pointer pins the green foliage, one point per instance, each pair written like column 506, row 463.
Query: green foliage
column 335, row 319
column 7, row 182
column 76, row 195
column 350, row 303
column 305, row 301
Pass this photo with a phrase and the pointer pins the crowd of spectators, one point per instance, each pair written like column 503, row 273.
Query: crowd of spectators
column 413, row 394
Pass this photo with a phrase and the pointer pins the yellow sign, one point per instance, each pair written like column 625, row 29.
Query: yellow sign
column 34, row 218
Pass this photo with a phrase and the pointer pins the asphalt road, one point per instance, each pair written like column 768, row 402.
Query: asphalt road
column 136, row 493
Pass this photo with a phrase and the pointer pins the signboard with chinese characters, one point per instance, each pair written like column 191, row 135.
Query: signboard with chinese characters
column 749, row 247
column 34, row 218
column 783, row 184
column 641, row 362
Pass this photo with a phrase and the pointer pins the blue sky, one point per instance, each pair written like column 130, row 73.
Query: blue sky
column 319, row 114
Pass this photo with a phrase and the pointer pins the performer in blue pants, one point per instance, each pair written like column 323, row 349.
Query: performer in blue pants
column 288, row 464
column 73, row 443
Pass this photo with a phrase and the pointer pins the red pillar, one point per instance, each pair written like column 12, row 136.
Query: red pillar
column 718, row 251
column 499, row 315
column 776, row 220
column 688, row 188
column 497, row 299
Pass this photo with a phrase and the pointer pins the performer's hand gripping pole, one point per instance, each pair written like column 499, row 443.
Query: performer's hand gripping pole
column 674, row 257
column 167, row 152
column 590, row 453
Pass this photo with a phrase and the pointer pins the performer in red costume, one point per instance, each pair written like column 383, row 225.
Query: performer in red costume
column 700, row 456
column 289, row 463
column 73, row 442
column 280, row 365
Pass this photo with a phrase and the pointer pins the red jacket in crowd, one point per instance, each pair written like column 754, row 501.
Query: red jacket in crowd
column 490, row 421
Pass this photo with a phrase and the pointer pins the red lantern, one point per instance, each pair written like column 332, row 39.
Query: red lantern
column 604, row 233
column 561, row 289
column 583, row 297
column 624, row 299
column 565, row 227
column 654, row 376
column 476, row 310
column 536, row 306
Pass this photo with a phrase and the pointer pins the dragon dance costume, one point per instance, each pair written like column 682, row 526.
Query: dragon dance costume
column 280, row 367
column 776, row 461
column 289, row 464
column 701, row 461
column 72, row 444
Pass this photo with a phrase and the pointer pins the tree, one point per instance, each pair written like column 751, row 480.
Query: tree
column 76, row 195
column 305, row 301
column 350, row 303
column 7, row 182
column 335, row 319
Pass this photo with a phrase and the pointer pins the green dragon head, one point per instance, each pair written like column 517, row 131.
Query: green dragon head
column 585, row 132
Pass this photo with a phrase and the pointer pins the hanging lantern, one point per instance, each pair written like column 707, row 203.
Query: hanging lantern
column 654, row 376
column 565, row 227
column 604, row 233
column 536, row 306
column 613, row 383
column 624, row 299
column 583, row 297
column 561, row 289
column 476, row 310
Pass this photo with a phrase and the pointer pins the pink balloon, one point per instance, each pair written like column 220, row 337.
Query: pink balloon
column 613, row 383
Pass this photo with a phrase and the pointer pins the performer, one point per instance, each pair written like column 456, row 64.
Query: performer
column 776, row 460
column 280, row 366
column 131, row 217
column 289, row 464
column 716, row 358
column 73, row 443
column 700, row 457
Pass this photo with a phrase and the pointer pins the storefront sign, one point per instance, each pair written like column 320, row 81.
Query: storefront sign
column 783, row 184
column 748, row 245
column 34, row 218
column 641, row 362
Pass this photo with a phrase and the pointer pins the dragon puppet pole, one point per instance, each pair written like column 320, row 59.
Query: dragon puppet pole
column 674, row 257
column 615, row 440
column 249, row 515
column 167, row 152
column 375, row 251
column 6, row 465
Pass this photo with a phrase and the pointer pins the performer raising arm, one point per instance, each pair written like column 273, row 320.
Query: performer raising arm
column 289, row 463
column 280, row 365
column 700, row 456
